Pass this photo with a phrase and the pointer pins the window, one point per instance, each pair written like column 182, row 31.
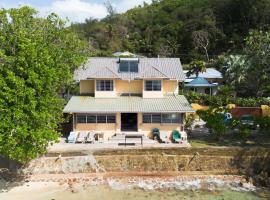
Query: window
column 94, row 118
column 101, row 119
column 207, row 91
column 151, row 118
column 156, row 118
column 111, row 119
column 128, row 65
column 81, row 118
column 173, row 118
column 166, row 118
column 147, row 118
column 91, row 119
column 104, row 85
column 152, row 85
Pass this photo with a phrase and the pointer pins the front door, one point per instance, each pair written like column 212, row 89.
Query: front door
column 129, row 122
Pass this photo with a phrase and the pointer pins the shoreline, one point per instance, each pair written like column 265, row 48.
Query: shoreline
column 144, row 181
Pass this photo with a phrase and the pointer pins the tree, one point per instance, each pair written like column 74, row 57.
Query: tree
column 201, row 40
column 110, row 9
column 38, row 57
column 249, row 73
column 235, row 69
column 196, row 67
column 257, row 51
column 215, row 121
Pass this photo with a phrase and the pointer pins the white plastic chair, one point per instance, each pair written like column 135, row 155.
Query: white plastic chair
column 82, row 137
column 73, row 136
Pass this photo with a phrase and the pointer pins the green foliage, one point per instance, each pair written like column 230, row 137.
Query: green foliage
column 167, row 28
column 188, row 121
column 223, row 100
column 264, row 124
column 38, row 57
column 249, row 74
column 196, row 67
column 226, row 91
column 244, row 132
column 215, row 122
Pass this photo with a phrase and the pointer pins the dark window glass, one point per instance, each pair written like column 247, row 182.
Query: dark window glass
column 156, row 85
column 104, row 85
column 166, row 118
column 123, row 66
column 81, row 118
column 156, row 118
column 92, row 119
column 148, row 85
column 133, row 66
column 176, row 118
column 152, row 85
column 207, row 91
column 101, row 118
column 111, row 119
column 146, row 118
column 171, row 118
column 128, row 66
column 109, row 85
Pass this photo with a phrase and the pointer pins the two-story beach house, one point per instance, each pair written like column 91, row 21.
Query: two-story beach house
column 121, row 95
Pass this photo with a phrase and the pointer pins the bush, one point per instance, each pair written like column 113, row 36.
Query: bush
column 244, row 132
column 222, row 100
column 188, row 121
column 264, row 124
column 215, row 122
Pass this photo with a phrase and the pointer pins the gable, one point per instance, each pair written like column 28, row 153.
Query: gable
column 167, row 68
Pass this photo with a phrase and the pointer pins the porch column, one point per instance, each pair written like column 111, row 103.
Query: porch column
column 73, row 122
column 118, row 123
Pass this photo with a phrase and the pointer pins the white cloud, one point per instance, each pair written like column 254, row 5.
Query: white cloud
column 78, row 10
column 75, row 10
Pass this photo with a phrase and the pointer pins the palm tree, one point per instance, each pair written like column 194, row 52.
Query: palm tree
column 196, row 67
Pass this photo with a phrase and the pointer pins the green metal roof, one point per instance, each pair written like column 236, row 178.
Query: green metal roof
column 172, row 103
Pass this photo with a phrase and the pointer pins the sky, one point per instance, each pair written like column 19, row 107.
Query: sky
column 74, row 10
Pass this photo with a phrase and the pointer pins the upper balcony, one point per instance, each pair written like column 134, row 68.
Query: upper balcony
column 147, row 88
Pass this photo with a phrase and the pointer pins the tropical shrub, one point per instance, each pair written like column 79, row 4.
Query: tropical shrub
column 264, row 124
column 215, row 122
column 188, row 121
column 244, row 132
column 223, row 100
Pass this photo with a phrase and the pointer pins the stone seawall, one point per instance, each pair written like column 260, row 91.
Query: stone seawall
column 253, row 162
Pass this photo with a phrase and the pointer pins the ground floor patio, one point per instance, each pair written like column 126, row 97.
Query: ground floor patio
column 63, row 147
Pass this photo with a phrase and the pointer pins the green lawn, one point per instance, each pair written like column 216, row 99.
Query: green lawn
column 201, row 139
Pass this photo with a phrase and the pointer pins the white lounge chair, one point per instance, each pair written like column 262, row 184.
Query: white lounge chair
column 164, row 137
column 183, row 136
column 72, row 137
column 82, row 137
column 91, row 137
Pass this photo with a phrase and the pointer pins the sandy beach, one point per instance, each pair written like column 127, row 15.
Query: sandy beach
column 87, row 186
